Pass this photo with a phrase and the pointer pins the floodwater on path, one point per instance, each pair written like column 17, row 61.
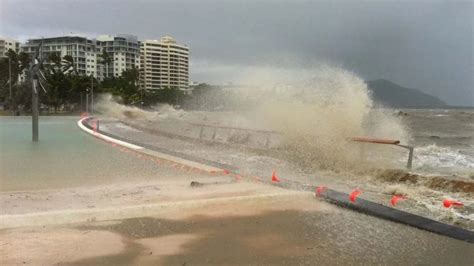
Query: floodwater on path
column 64, row 156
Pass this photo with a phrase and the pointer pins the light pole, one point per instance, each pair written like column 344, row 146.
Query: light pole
column 92, row 94
column 34, row 107
column 34, row 75
column 87, row 101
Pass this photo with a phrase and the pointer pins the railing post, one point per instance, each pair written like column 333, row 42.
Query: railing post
column 410, row 157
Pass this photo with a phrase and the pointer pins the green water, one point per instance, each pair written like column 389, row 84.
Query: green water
column 65, row 156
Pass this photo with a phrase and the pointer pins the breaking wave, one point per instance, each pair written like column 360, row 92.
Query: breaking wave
column 443, row 159
column 319, row 116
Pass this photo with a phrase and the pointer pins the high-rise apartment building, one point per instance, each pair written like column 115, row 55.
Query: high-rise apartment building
column 123, row 51
column 82, row 50
column 164, row 64
column 7, row 44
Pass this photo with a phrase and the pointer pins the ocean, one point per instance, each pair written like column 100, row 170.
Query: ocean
column 444, row 141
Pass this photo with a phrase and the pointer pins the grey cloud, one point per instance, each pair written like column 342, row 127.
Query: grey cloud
column 425, row 44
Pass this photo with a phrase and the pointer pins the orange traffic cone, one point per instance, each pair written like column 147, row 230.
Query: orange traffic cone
column 319, row 190
column 274, row 177
column 448, row 203
column 354, row 194
column 396, row 198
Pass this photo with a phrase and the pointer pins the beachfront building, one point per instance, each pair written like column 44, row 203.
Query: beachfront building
column 164, row 64
column 83, row 51
column 7, row 44
column 123, row 51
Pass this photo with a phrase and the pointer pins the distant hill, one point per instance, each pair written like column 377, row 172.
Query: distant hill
column 392, row 95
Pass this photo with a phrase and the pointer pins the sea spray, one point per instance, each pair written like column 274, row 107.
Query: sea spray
column 315, row 111
column 318, row 117
column 109, row 105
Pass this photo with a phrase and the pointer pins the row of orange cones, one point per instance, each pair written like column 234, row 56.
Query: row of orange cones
column 447, row 203
column 354, row 194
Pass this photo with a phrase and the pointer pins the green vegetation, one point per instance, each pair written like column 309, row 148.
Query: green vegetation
column 66, row 90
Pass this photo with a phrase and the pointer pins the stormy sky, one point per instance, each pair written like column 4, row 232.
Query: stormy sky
column 418, row 44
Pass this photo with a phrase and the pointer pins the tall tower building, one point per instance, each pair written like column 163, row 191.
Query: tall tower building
column 164, row 64
column 123, row 51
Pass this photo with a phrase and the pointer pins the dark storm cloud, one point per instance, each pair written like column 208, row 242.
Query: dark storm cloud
column 426, row 44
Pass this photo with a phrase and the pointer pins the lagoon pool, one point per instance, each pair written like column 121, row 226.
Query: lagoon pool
column 65, row 156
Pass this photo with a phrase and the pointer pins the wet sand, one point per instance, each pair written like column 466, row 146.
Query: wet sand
column 287, row 230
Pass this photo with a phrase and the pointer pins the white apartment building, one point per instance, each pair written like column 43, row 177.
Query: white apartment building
column 7, row 44
column 124, row 52
column 164, row 64
column 83, row 51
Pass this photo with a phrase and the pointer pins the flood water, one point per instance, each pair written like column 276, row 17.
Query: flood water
column 65, row 156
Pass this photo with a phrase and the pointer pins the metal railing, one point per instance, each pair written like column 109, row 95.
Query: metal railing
column 388, row 142
column 268, row 134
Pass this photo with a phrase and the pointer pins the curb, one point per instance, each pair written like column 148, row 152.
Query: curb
column 381, row 211
column 82, row 123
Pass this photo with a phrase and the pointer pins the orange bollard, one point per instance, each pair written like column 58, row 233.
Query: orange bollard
column 275, row 177
column 319, row 190
column 354, row 194
column 396, row 198
column 448, row 203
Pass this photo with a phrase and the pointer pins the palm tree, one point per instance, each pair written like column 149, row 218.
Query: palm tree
column 68, row 64
column 11, row 68
column 55, row 63
column 24, row 60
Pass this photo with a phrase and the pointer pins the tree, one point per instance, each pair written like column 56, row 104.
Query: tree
column 10, row 70
column 55, row 61
column 68, row 64
column 125, row 86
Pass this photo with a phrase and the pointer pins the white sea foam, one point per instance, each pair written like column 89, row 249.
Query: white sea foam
column 433, row 156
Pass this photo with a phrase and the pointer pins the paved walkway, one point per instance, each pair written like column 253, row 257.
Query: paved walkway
column 259, row 164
